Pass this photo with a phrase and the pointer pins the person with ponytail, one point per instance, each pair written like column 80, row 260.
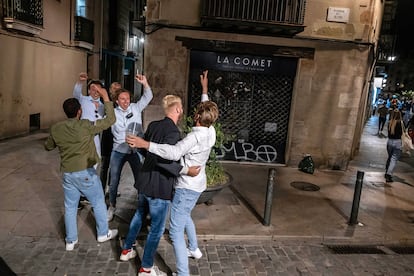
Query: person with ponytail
column 395, row 130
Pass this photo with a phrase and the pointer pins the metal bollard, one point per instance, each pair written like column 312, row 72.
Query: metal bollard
column 269, row 197
column 357, row 196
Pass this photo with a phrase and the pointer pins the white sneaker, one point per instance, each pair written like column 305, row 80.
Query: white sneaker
column 71, row 245
column 127, row 254
column 110, row 213
column 112, row 233
column 155, row 271
column 196, row 254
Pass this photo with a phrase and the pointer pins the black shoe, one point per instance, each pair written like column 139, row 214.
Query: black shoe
column 388, row 178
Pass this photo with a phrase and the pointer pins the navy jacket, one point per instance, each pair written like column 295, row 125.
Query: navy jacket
column 157, row 175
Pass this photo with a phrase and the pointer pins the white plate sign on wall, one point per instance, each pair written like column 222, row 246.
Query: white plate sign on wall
column 338, row 14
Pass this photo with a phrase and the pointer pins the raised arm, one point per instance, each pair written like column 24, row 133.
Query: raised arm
column 109, row 119
column 204, row 85
column 147, row 95
column 77, row 90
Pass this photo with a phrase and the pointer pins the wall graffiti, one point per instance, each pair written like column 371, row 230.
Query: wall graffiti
column 247, row 152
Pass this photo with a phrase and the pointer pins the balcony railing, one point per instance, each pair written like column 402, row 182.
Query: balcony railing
column 29, row 11
column 257, row 14
column 84, row 30
column 23, row 15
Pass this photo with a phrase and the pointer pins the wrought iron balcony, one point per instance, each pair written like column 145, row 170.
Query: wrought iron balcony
column 278, row 17
column 84, row 32
column 26, row 16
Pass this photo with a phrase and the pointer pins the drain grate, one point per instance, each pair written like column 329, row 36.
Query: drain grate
column 403, row 250
column 305, row 186
column 354, row 249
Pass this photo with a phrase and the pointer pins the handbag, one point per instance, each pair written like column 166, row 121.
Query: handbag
column 406, row 142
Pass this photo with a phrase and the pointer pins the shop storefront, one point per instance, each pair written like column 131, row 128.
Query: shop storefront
column 254, row 94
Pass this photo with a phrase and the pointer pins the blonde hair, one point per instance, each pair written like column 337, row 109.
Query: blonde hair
column 206, row 113
column 170, row 101
column 395, row 118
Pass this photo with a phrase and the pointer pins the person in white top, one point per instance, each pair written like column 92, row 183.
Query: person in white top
column 128, row 118
column 92, row 107
column 193, row 150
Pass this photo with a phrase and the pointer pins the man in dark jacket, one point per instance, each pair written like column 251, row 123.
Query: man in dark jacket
column 155, row 185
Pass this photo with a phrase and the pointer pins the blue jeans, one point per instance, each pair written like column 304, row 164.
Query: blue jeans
column 394, row 154
column 84, row 182
column 180, row 220
column 117, row 162
column 158, row 209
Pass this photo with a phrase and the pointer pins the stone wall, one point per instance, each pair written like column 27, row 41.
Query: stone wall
column 326, row 97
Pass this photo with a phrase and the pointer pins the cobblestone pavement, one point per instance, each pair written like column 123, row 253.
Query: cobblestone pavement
column 47, row 256
column 232, row 239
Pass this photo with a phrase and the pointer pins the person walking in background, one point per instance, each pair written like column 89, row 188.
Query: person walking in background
column 155, row 186
column 128, row 115
column 395, row 129
column 382, row 117
column 75, row 139
column 195, row 149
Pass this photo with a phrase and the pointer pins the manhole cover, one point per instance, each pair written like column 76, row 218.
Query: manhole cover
column 354, row 249
column 305, row 186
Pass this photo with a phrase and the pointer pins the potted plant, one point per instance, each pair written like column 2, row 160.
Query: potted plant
column 217, row 178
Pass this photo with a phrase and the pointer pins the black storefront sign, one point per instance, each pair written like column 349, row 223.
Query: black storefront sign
column 242, row 63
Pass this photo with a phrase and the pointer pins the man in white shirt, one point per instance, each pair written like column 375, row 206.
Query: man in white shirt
column 92, row 107
column 128, row 115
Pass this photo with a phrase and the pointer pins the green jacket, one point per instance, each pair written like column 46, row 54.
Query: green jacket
column 74, row 139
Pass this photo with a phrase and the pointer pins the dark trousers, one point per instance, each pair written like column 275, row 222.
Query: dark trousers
column 105, row 171
column 381, row 123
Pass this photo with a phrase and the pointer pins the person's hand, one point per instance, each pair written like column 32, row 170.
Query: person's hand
column 136, row 142
column 142, row 80
column 204, row 81
column 101, row 91
column 193, row 171
column 83, row 76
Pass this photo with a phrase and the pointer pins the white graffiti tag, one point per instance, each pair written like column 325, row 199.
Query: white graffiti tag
column 263, row 153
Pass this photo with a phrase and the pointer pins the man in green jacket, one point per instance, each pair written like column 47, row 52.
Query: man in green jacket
column 75, row 140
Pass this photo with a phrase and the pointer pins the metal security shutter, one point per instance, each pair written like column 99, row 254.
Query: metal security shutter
column 254, row 107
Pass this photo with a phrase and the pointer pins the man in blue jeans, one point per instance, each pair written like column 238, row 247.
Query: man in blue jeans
column 193, row 150
column 128, row 115
column 155, row 187
column 75, row 139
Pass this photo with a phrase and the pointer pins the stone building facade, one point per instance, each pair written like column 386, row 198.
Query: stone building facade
column 290, row 77
column 44, row 45
column 312, row 101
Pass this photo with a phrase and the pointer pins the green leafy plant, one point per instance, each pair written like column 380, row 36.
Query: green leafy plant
column 214, row 169
column 408, row 93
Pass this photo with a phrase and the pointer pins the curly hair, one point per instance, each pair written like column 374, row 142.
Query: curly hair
column 206, row 113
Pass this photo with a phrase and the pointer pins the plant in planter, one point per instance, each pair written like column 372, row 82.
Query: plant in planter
column 217, row 178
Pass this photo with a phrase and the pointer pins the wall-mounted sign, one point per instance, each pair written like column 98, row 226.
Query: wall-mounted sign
column 242, row 63
column 338, row 14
